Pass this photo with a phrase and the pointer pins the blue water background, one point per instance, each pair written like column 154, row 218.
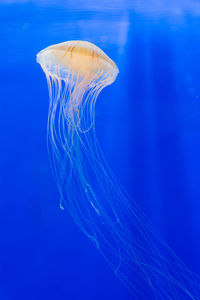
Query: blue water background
column 148, row 124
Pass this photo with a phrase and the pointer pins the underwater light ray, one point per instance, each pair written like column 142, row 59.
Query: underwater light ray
column 76, row 73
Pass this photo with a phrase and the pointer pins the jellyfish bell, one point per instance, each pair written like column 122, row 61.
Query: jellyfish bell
column 82, row 67
column 76, row 72
column 81, row 58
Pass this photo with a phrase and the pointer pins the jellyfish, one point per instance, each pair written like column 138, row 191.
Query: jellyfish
column 76, row 73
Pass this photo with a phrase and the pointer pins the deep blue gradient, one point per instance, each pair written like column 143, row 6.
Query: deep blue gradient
column 148, row 124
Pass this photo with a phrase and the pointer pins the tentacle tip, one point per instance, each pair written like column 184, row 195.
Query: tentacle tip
column 61, row 206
